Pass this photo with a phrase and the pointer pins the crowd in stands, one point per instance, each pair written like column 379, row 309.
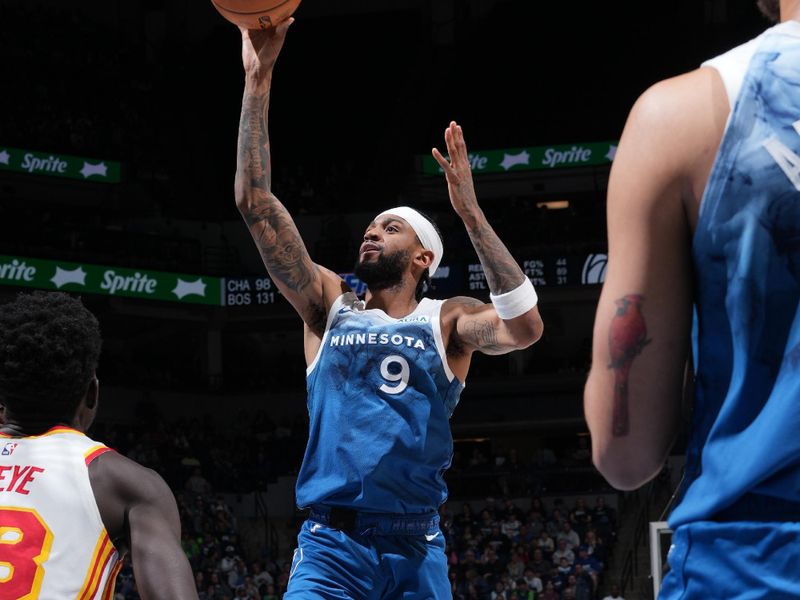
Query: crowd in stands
column 548, row 550
column 211, row 541
column 501, row 552
column 239, row 456
column 247, row 452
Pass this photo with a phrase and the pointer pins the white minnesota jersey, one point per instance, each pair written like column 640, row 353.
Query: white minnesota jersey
column 53, row 545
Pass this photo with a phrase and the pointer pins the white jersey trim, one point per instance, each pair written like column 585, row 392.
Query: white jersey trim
column 436, row 323
column 732, row 65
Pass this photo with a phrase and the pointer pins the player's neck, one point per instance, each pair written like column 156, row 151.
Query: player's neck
column 397, row 302
column 790, row 10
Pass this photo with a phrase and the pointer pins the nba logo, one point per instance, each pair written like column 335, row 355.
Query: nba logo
column 8, row 449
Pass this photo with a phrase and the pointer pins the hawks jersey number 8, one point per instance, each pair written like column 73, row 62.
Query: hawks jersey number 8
column 52, row 544
column 25, row 542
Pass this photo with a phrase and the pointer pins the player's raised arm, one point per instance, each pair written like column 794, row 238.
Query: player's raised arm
column 512, row 321
column 308, row 287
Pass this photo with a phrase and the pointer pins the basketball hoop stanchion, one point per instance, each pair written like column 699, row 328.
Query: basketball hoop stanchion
column 660, row 542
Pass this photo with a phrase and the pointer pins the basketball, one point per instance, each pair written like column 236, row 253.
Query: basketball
column 256, row 14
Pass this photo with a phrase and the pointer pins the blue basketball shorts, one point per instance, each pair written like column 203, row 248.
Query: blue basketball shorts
column 742, row 560
column 367, row 565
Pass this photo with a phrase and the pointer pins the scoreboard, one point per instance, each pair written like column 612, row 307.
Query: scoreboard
column 549, row 271
column 248, row 291
column 449, row 280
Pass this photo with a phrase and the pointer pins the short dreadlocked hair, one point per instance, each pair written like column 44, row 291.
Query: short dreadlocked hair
column 49, row 348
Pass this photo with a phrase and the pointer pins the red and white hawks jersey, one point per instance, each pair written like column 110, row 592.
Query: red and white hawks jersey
column 53, row 545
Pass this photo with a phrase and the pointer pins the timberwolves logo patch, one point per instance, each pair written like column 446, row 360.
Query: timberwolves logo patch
column 8, row 449
column 594, row 269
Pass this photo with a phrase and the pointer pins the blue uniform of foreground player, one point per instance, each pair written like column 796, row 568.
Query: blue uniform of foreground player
column 384, row 375
column 703, row 210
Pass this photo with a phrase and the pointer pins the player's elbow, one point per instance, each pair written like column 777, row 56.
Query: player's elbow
column 624, row 468
column 529, row 331
column 242, row 196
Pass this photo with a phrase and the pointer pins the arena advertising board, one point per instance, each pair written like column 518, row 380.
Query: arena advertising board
column 110, row 281
column 449, row 280
column 533, row 158
column 59, row 165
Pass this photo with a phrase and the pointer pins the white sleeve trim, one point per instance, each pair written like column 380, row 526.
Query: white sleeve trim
column 436, row 325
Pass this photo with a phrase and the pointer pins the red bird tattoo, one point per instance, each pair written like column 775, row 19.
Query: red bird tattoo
column 627, row 338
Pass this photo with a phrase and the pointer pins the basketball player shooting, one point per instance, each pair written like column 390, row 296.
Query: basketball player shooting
column 383, row 375
column 70, row 507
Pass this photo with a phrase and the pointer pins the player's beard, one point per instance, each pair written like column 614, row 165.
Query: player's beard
column 770, row 9
column 385, row 272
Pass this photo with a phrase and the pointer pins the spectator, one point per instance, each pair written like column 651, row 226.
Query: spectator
column 589, row 563
column 584, row 584
column 539, row 564
column 499, row 591
column 516, row 566
column 499, row 542
column 595, row 546
column 603, row 518
column 564, row 569
column 580, row 517
column 524, row 536
column 227, row 564
column 487, row 522
column 563, row 552
column 523, row 592
column 492, row 565
column 466, row 519
column 568, row 534
column 510, row 526
column 569, row 590
column 197, row 483
column 261, row 576
column 545, row 543
column 534, row 581
column 550, row 592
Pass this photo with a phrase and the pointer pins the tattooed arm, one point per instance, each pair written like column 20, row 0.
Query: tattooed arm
column 634, row 392
column 310, row 288
column 476, row 324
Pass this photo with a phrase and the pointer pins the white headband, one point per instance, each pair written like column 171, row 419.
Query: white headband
column 425, row 231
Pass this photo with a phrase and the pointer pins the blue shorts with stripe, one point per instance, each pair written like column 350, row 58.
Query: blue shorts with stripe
column 380, row 559
column 744, row 560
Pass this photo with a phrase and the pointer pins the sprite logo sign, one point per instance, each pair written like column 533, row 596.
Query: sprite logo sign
column 62, row 165
column 111, row 281
column 534, row 158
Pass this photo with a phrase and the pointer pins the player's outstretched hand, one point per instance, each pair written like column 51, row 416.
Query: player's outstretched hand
column 260, row 48
column 458, row 172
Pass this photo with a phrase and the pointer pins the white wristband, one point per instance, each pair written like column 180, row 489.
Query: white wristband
column 516, row 302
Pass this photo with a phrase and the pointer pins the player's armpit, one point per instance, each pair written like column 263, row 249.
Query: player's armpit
column 641, row 333
column 478, row 328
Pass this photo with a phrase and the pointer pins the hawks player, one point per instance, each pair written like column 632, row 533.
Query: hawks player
column 69, row 506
